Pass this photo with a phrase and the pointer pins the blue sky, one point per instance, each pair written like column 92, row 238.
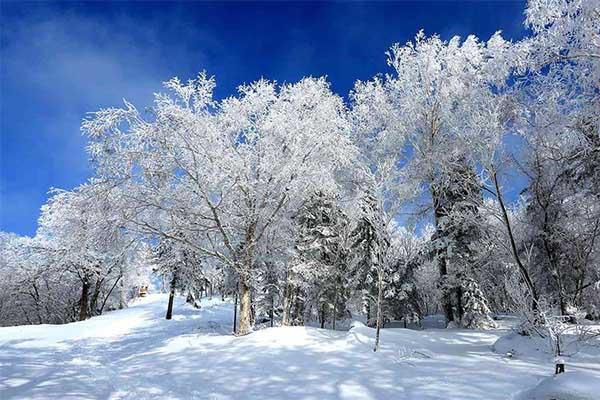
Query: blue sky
column 60, row 61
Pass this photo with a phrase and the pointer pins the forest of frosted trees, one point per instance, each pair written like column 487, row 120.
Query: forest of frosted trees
column 304, row 206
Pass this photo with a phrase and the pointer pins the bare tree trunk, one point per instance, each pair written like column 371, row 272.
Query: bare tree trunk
column 83, row 302
column 272, row 312
column 322, row 315
column 459, row 304
column 235, row 306
column 109, row 293
column 121, row 296
column 171, row 297
column 379, row 306
column 288, row 300
column 513, row 245
column 368, row 309
column 245, row 308
column 247, row 259
column 335, row 300
column 94, row 302
column 298, row 314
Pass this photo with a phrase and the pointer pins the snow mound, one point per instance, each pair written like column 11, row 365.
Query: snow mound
column 521, row 346
column 535, row 346
column 361, row 335
column 571, row 385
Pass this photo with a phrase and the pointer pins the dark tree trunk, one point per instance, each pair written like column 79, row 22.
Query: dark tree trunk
column 272, row 312
column 298, row 315
column 95, row 296
column 171, row 298
column 368, row 309
column 235, row 306
column 441, row 258
column 379, row 308
column 459, row 304
column 83, row 302
column 335, row 300
column 108, row 295
column 513, row 245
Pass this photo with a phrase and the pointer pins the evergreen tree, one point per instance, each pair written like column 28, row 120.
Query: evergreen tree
column 368, row 241
column 457, row 197
column 476, row 310
column 321, row 259
column 402, row 299
column 372, row 239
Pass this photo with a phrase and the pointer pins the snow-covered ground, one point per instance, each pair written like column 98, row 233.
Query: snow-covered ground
column 136, row 354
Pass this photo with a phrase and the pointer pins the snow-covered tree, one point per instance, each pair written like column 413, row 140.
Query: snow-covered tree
column 82, row 229
column 476, row 314
column 371, row 269
column 181, row 266
column 403, row 300
column 320, row 263
column 224, row 171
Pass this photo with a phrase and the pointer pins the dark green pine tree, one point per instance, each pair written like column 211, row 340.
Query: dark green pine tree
column 457, row 196
column 401, row 296
column 369, row 241
column 321, row 251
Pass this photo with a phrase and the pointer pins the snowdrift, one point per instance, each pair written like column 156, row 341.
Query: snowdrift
column 572, row 385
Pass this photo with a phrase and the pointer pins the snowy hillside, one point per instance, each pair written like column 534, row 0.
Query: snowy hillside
column 136, row 354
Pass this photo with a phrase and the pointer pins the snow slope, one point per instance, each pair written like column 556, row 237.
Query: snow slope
column 136, row 354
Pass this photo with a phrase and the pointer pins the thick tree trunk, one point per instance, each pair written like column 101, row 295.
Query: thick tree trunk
column 95, row 296
column 245, row 326
column 83, row 302
column 171, row 298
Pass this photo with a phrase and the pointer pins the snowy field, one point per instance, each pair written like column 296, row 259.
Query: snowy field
column 136, row 354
